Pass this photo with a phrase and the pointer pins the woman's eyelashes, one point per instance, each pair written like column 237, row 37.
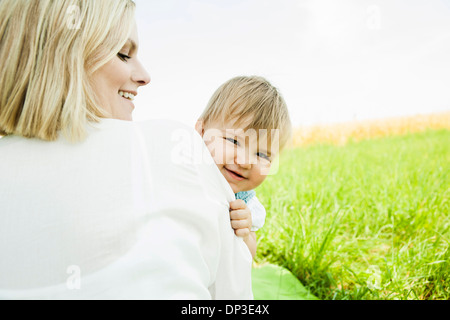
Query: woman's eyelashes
column 123, row 57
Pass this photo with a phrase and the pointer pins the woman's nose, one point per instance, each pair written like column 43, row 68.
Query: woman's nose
column 140, row 75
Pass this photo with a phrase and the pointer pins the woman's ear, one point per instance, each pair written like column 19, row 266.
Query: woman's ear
column 199, row 127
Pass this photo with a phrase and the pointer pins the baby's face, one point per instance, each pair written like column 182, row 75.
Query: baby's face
column 242, row 157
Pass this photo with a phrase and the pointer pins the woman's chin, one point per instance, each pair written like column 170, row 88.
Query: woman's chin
column 125, row 114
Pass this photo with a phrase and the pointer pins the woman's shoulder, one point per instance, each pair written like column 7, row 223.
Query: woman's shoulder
column 165, row 127
column 151, row 125
column 178, row 139
column 154, row 133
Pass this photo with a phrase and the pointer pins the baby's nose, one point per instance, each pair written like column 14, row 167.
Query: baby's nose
column 245, row 165
column 243, row 160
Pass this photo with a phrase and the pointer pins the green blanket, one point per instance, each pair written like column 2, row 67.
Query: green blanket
column 272, row 282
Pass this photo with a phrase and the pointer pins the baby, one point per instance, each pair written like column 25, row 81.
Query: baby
column 245, row 125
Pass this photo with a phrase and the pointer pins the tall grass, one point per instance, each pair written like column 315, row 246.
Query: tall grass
column 368, row 220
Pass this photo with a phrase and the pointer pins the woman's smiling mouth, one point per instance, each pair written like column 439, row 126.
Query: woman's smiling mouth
column 127, row 95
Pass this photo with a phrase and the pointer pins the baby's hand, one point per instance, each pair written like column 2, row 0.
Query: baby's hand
column 241, row 218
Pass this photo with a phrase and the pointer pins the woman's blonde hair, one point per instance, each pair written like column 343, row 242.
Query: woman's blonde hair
column 249, row 102
column 48, row 52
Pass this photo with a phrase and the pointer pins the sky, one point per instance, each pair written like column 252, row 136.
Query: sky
column 332, row 60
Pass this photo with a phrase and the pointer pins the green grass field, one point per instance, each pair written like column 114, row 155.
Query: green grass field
column 368, row 220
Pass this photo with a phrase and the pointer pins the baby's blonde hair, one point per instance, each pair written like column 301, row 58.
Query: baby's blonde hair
column 48, row 52
column 250, row 102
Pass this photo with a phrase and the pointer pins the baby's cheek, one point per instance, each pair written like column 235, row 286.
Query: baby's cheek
column 216, row 151
column 262, row 178
column 264, row 171
column 257, row 177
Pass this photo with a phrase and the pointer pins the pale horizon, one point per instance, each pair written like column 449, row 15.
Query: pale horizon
column 333, row 61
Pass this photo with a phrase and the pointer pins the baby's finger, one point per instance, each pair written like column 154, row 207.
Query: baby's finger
column 240, row 224
column 237, row 204
column 240, row 214
column 242, row 232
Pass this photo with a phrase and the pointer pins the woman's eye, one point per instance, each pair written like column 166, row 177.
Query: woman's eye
column 234, row 141
column 123, row 57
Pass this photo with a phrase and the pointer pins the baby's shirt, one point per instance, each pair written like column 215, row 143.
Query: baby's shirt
column 256, row 208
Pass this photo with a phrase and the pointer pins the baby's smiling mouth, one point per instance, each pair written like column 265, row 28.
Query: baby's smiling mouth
column 235, row 175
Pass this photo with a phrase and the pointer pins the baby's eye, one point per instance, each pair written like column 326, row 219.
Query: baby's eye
column 234, row 141
column 263, row 155
column 123, row 57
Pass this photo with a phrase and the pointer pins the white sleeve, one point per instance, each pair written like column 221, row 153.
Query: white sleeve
column 258, row 213
column 198, row 197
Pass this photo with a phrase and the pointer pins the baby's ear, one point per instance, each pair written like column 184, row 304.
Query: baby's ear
column 199, row 127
